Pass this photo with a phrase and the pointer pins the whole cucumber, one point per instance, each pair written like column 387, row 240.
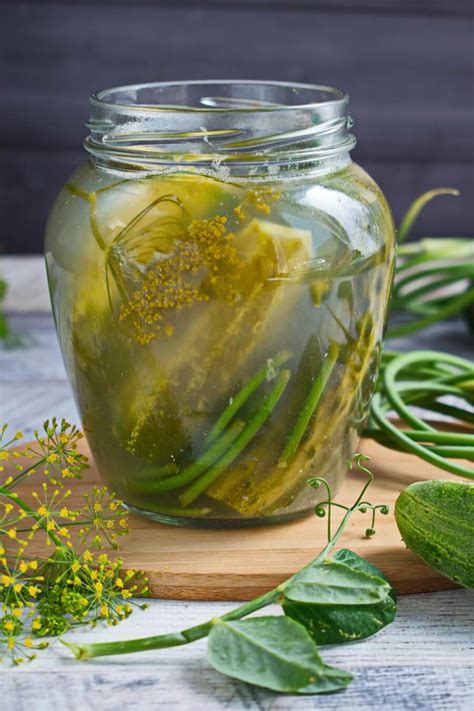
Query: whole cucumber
column 436, row 521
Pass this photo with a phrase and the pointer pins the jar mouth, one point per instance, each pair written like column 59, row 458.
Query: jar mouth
column 248, row 128
column 218, row 95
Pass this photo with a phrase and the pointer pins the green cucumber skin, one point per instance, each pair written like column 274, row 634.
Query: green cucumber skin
column 436, row 521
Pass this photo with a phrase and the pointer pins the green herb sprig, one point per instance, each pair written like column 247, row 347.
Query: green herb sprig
column 76, row 585
column 423, row 379
column 425, row 267
column 331, row 600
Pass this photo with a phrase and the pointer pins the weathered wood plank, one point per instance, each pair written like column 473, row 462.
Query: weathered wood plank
column 411, row 134
column 27, row 285
column 62, row 54
column 420, row 662
column 423, row 7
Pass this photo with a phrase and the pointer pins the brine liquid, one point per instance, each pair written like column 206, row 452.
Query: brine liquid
column 222, row 342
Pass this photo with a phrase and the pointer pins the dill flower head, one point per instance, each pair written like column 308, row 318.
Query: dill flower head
column 55, row 453
column 259, row 199
column 16, row 643
column 57, row 445
column 198, row 267
column 104, row 519
column 105, row 590
column 40, row 598
column 20, row 580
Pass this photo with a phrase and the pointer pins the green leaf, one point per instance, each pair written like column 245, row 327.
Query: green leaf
column 345, row 623
column 334, row 583
column 274, row 652
column 355, row 562
column 332, row 680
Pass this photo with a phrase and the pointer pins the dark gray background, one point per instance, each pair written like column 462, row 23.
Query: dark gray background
column 408, row 66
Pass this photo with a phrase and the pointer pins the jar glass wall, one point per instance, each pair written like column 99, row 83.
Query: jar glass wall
column 219, row 273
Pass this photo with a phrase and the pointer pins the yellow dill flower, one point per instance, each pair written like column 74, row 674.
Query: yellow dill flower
column 28, row 642
column 52, row 458
column 42, row 510
column 23, row 567
column 33, row 590
column 17, row 612
column 99, row 588
column 75, row 566
column 87, row 556
column 17, row 587
column 7, row 580
column 11, row 533
column 9, row 626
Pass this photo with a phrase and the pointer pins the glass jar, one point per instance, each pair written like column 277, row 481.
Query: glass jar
column 219, row 274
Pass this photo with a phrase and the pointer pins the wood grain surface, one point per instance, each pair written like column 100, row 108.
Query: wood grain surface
column 241, row 563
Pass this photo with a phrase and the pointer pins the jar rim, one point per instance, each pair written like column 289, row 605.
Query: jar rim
column 328, row 96
column 245, row 127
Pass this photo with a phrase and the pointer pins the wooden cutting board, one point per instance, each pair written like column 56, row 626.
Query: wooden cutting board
column 203, row 564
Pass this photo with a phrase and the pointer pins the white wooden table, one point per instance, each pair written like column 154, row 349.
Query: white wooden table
column 424, row 660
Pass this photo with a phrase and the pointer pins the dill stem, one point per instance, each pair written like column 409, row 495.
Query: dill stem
column 14, row 498
column 405, row 442
column 454, row 452
column 452, row 307
column 393, row 389
column 415, row 209
column 17, row 480
column 442, row 438
column 244, row 393
column 251, row 429
column 309, row 406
